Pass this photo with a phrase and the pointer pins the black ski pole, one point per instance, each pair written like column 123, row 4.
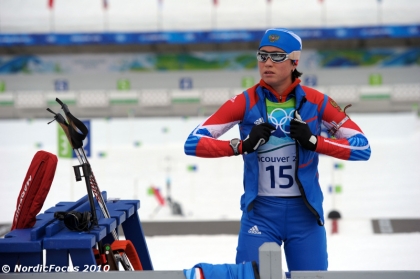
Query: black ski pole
column 86, row 173
column 76, row 132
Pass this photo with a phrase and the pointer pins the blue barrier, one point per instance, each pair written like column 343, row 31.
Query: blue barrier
column 26, row 247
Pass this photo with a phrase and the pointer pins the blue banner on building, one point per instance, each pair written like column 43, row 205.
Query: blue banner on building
column 193, row 37
column 61, row 85
column 185, row 83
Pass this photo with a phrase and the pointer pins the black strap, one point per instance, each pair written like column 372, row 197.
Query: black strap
column 74, row 220
column 77, row 129
column 76, row 137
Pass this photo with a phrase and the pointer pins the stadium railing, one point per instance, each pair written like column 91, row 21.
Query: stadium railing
column 194, row 102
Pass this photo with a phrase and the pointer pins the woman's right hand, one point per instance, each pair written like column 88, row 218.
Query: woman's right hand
column 258, row 136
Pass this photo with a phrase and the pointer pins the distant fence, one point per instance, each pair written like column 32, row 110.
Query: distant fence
column 198, row 102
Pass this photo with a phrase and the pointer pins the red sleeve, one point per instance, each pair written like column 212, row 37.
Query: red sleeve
column 348, row 141
column 203, row 142
column 232, row 110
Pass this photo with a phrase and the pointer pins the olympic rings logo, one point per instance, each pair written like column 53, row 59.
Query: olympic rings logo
column 281, row 121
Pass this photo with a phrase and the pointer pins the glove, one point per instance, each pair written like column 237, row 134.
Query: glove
column 300, row 131
column 258, row 136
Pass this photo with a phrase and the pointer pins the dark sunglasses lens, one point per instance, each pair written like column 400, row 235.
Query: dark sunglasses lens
column 278, row 57
column 262, row 57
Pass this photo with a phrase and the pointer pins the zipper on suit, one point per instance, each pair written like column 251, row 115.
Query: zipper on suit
column 302, row 191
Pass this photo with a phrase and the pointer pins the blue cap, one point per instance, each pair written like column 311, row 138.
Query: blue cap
column 281, row 38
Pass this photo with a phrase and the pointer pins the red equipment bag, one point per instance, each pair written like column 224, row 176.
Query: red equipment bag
column 34, row 190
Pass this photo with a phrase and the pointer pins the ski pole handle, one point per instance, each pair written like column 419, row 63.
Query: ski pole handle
column 66, row 110
column 63, row 124
column 63, row 106
column 77, row 129
column 66, row 131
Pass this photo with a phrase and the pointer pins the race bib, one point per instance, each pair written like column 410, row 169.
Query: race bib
column 277, row 158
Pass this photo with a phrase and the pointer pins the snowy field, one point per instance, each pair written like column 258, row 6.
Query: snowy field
column 139, row 153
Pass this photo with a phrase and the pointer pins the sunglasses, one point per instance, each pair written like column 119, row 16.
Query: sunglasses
column 276, row 57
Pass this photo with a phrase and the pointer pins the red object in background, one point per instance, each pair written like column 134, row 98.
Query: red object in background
column 215, row 2
column 50, row 4
column 158, row 195
column 334, row 226
column 334, row 216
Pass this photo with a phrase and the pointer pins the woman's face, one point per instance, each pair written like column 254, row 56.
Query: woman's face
column 275, row 74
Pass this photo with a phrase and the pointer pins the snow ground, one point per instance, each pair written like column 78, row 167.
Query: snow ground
column 352, row 251
column 387, row 186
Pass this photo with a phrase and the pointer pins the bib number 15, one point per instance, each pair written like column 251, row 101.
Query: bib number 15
column 283, row 170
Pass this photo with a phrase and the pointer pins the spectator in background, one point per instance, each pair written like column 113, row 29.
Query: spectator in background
column 280, row 141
